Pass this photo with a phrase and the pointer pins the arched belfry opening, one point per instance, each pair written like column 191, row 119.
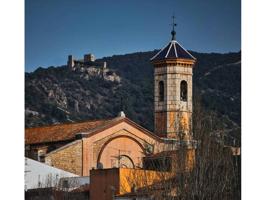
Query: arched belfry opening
column 173, row 71
column 161, row 91
column 183, row 91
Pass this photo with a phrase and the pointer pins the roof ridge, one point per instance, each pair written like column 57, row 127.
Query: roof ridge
column 102, row 125
column 62, row 132
column 169, row 50
column 118, row 119
column 185, row 50
column 69, row 123
column 159, row 52
column 173, row 50
column 143, row 128
column 72, row 133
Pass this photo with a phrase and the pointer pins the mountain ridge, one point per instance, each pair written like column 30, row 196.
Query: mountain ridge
column 58, row 95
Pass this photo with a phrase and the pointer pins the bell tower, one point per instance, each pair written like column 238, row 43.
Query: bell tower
column 173, row 70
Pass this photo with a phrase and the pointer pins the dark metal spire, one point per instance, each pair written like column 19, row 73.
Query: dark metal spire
column 173, row 31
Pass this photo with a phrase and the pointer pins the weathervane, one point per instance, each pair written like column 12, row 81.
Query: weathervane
column 173, row 31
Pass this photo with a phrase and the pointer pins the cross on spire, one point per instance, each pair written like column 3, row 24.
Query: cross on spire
column 173, row 31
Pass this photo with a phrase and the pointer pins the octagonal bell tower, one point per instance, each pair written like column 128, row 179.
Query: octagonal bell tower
column 173, row 70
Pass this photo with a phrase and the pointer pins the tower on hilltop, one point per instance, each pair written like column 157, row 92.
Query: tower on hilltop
column 173, row 66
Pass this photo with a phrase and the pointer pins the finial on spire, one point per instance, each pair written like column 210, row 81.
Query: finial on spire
column 173, row 31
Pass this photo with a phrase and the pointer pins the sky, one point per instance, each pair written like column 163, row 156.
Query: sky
column 55, row 29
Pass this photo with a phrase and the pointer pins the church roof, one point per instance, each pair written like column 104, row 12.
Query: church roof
column 59, row 132
column 173, row 50
column 70, row 131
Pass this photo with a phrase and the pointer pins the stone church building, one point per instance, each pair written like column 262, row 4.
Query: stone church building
column 120, row 142
column 80, row 147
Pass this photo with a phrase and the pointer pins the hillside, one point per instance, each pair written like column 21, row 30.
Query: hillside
column 56, row 94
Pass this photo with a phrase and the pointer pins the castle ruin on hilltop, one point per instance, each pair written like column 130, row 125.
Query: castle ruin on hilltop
column 87, row 61
column 92, row 68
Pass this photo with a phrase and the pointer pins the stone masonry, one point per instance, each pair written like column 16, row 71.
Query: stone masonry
column 68, row 157
column 173, row 115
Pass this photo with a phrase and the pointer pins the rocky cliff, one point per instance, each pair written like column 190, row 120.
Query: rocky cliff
column 57, row 94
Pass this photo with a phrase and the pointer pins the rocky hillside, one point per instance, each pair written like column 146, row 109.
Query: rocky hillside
column 57, row 94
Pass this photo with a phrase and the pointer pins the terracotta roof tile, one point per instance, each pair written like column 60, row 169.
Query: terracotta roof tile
column 60, row 132
column 64, row 132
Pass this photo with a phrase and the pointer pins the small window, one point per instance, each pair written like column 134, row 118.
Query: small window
column 183, row 91
column 161, row 91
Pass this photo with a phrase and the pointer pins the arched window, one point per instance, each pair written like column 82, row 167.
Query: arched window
column 183, row 91
column 161, row 91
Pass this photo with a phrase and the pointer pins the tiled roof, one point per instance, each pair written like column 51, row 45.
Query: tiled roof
column 60, row 132
column 66, row 132
column 173, row 51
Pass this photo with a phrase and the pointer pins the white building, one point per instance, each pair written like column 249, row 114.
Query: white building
column 40, row 175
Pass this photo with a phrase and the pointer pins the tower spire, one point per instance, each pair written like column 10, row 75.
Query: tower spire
column 173, row 31
column 173, row 71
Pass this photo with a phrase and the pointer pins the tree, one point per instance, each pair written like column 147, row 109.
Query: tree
column 215, row 174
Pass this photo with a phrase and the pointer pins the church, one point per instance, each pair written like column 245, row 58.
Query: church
column 120, row 142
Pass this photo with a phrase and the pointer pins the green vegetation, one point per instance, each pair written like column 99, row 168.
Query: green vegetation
column 60, row 95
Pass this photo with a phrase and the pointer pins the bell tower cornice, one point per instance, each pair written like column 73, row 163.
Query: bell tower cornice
column 188, row 62
column 173, row 71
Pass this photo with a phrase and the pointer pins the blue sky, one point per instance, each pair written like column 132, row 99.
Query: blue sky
column 56, row 28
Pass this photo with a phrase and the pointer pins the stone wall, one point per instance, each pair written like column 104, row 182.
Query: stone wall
column 68, row 158
column 32, row 150
column 160, row 123
column 172, row 114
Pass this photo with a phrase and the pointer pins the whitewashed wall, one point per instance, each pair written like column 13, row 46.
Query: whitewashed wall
column 38, row 174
